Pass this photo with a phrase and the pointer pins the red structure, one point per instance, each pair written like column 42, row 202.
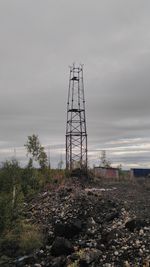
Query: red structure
column 106, row 172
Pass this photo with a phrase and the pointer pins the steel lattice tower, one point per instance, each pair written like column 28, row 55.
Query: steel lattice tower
column 76, row 134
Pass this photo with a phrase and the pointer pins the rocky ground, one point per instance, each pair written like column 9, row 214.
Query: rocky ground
column 103, row 225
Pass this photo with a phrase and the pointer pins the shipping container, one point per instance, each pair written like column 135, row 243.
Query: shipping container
column 140, row 173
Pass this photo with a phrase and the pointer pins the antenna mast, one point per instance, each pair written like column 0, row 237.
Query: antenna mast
column 76, row 134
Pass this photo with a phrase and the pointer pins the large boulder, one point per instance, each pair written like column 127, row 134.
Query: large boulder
column 68, row 229
column 135, row 224
column 61, row 246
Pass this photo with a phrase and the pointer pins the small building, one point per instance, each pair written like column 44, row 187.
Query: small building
column 138, row 173
column 103, row 172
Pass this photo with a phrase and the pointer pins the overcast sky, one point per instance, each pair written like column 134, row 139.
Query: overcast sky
column 39, row 39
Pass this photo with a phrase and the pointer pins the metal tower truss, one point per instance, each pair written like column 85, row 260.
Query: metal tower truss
column 76, row 135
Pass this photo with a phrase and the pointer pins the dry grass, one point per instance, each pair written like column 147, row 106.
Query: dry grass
column 30, row 238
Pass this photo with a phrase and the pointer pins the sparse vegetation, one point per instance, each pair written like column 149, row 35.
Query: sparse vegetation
column 104, row 162
column 17, row 186
column 36, row 151
column 30, row 238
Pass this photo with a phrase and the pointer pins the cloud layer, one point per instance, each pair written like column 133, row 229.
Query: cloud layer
column 39, row 39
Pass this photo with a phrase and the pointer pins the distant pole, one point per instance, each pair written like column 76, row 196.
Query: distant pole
column 49, row 162
column 15, row 154
column 14, row 182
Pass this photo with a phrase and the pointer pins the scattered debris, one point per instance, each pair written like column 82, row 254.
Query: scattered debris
column 89, row 227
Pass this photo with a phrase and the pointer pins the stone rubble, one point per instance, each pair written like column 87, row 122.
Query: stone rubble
column 86, row 228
